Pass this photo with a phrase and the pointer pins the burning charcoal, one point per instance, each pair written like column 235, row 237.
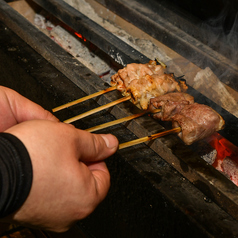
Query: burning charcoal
column 230, row 169
column 210, row 157
column 206, row 152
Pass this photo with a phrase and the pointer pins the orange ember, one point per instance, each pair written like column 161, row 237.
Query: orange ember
column 80, row 36
column 224, row 149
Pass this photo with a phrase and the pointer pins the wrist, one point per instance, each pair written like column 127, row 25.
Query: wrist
column 15, row 172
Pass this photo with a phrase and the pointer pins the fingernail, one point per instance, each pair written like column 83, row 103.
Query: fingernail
column 110, row 140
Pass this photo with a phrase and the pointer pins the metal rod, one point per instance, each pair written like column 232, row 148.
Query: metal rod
column 93, row 32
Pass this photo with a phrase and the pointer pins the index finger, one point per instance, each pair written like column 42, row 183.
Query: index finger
column 24, row 109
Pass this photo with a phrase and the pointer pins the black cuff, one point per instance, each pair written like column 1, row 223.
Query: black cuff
column 15, row 174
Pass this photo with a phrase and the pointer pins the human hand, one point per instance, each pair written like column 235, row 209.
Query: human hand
column 15, row 108
column 69, row 177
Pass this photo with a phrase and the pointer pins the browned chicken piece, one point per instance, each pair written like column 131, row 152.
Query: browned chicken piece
column 150, row 86
column 133, row 71
column 170, row 104
column 145, row 81
column 197, row 121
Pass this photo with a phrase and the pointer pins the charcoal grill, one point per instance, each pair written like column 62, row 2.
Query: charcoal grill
column 162, row 188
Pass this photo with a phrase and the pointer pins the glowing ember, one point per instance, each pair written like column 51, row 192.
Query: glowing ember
column 230, row 169
column 227, row 157
column 222, row 147
column 80, row 36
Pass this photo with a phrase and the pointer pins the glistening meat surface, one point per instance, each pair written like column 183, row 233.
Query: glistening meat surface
column 170, row 104
column 133, row 71
column 150, row 86
column 145, row 81
column 197, row 121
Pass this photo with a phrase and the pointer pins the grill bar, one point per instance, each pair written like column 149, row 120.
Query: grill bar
column 93, row 32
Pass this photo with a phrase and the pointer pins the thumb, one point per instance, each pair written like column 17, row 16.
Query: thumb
column 96, row 147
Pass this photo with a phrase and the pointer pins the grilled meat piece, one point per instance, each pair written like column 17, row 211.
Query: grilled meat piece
column 145, row 81
column 150, row 86
column 133, row 71
column 170, row 104
column 197, row 121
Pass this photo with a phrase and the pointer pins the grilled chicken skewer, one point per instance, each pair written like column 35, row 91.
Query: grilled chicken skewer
column 139, row 83
column 145, row 70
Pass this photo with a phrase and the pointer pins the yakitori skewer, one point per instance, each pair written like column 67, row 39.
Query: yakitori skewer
column 149, row 138
column 84, row 99
column 98, row 109
column 121, row 120
column 153, row 69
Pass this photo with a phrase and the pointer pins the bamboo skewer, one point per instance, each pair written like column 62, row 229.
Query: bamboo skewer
column 149, row 138
column 112, row 123
column 118, row 121
column 84, row 99
column 161, row 63
column 98, row 109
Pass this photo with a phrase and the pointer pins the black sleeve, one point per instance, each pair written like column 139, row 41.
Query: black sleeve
column 15, row 174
